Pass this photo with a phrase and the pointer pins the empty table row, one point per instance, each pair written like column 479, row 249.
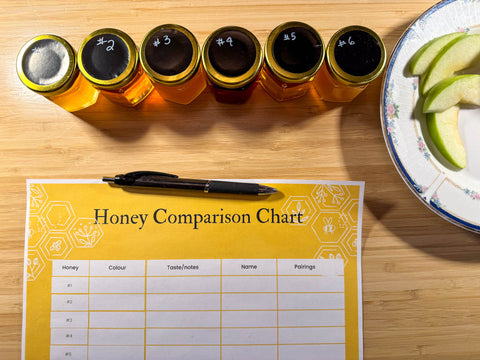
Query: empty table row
column 196, row 319
column 204, row 352
column 172, row 302
column 197, row 284
column 215, row 336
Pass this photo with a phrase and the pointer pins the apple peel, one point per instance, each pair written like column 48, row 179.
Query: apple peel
column 424, row 56
column 459, row 54
column 460, row 89
column 443, row 130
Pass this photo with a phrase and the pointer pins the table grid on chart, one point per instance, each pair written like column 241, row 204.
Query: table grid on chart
column 214, row 309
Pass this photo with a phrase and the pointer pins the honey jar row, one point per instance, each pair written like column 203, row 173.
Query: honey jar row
column 232, row 62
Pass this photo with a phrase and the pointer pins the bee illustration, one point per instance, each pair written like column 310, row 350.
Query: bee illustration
column 328, row 228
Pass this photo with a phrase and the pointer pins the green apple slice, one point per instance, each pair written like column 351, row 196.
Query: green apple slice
column 443, row 130
column 458, row 54
column 424, row 56
column 460, row 89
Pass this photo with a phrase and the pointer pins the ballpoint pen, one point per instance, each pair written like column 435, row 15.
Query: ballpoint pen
column 168, row 181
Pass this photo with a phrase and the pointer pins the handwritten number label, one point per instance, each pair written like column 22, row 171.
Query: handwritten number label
column 289, row 37
column 220, row 42
column 110, row 43
column 110, row 47
column 166, row 41
column 350, row 42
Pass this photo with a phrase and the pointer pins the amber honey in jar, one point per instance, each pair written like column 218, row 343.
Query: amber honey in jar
column 355, row 56
column 294, row 52
column 232, row 58
column 47, row 65
column 108, row 58
column 170, row 55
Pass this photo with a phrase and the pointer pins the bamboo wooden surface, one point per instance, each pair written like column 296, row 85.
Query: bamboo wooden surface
column 421, row 274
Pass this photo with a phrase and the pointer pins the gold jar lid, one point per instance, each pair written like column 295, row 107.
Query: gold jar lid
column 356, row 55
column 108, row 58
column 232, row 57
column 47, row 65
column 294, row 52
column 170, row 54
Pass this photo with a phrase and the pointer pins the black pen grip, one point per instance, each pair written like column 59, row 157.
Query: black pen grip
column 226, row 187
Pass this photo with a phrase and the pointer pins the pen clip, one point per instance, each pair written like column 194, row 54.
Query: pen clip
column 139, row 174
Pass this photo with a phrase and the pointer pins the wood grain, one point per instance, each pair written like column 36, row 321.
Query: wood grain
column 420, row 274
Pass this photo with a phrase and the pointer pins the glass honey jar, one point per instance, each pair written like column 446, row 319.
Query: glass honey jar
column 47, row 65
column 355, row 56
column 108, row 58
column 232, row 57
column 170, row 55
column 294, row 52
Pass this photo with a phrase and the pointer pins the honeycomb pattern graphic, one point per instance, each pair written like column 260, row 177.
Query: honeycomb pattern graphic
column 35, row 263
column 54, row 231
column 300, row 205
column 85, row 233
column 58, row 215
column 36, row 230
column 331, row 211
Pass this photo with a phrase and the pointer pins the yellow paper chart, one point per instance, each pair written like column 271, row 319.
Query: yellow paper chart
column 120, row 273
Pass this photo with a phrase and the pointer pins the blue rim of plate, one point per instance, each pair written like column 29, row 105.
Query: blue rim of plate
column 388, row 137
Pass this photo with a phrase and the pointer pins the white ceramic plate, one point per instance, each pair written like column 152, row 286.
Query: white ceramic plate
column 452, row 194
